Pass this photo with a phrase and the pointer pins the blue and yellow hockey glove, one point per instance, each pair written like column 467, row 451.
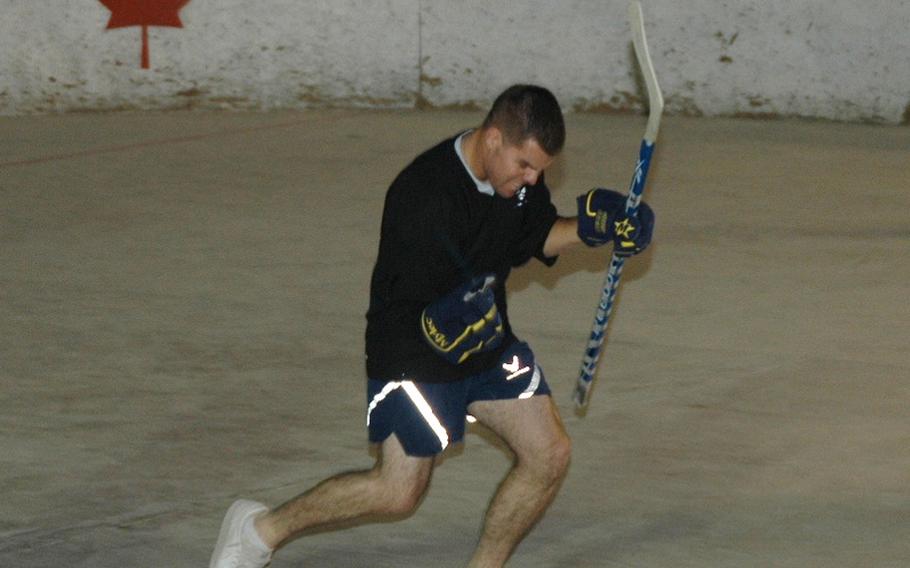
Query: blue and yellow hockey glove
column 463, row 322
column 602, row 219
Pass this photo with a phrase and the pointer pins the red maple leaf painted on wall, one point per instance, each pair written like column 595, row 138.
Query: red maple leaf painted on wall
column 145, row 13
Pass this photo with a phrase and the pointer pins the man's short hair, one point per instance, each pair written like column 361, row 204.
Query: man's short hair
column 528, row 111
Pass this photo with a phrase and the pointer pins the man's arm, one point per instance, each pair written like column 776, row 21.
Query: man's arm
column 601, row 219
column 563, row 234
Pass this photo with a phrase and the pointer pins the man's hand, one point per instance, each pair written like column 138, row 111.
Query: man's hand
column 602, row 218
column 464, row 321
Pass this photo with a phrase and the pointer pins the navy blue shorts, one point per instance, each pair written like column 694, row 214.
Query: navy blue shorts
column 427, row 417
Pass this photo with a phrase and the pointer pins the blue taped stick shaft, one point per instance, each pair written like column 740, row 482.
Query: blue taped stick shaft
column 611, row 283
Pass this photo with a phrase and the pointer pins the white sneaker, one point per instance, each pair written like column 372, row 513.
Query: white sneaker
column 233, row 550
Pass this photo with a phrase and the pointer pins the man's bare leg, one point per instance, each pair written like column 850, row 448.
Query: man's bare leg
column 394, row 486
column 533, row 430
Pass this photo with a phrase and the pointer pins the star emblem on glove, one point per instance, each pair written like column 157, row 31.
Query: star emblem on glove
column 623, row 228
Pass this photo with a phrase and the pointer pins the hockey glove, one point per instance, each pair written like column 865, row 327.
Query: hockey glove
column 464, row 321
column 602, row 219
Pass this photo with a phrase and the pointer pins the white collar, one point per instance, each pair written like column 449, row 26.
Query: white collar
column 482, row 186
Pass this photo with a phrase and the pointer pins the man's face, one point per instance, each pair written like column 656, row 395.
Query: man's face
column 510, row 167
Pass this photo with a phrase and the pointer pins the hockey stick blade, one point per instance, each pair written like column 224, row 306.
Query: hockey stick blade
column 582, row 393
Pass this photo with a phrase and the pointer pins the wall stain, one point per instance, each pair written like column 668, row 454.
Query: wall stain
column 682, row 105
column 756, row 115
column 725, row 43
column 422, row 103
column 623, row 102
column 230, row 101
column 431, row 81
column 193, row 92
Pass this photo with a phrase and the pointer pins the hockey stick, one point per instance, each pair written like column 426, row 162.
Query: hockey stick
column 582, row 391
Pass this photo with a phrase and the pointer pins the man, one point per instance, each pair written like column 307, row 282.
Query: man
column 438, row 340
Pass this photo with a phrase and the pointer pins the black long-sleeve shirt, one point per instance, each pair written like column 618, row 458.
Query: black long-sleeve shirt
column 437, row 231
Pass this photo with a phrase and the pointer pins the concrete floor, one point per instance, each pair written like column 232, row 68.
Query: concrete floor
column 181, row 313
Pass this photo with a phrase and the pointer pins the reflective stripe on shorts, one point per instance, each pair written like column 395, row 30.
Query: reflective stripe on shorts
column 419, row 402
column 535, row 382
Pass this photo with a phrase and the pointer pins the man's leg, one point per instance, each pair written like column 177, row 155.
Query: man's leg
column 533, row 430
column 394, row 486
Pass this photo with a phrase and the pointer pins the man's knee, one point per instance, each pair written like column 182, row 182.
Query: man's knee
column 401, row 480
column 401, row 494
column 406, row 500
column 560, row 455
column 551, row 462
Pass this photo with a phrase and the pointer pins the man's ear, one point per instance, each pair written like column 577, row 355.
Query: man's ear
column 492, row 138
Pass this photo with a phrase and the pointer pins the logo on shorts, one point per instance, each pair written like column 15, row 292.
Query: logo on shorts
column 514, row 368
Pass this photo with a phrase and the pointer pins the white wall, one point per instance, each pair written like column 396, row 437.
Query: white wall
column 836, row 59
